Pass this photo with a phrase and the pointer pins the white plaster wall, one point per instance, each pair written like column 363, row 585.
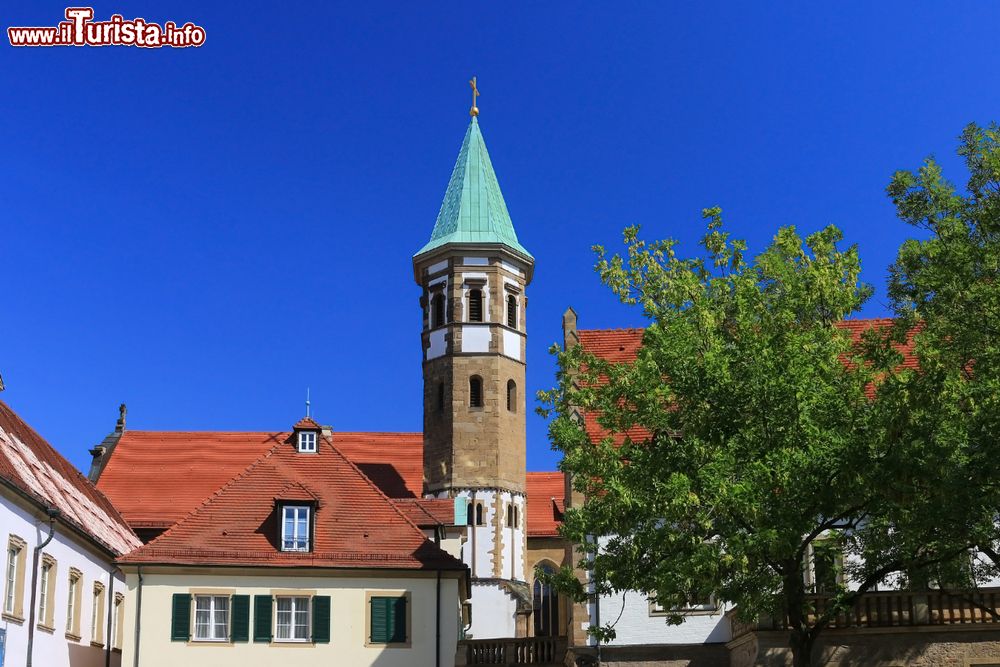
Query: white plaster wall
column 512, row 344
column 635, row 625
column 475, row 338
column 348, row 627
column 437, row 268
column 493, row 612
column 513, row 268
column 55, row 649
column 438, row 344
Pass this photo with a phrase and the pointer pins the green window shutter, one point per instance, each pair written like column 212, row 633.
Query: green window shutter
column 321, row 619
column 262, row 618
column 241, row 618
column 388, row 620
column 379, row 621
column 180, row 618
column 398, row 620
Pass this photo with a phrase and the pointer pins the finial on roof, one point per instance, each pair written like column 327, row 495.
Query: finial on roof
column 307, row 401
column 474, row 111
column 120, row 425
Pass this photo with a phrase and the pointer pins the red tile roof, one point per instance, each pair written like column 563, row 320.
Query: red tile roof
column 306, row 424
column 355, row 524
column 156, row 477
column 545, row 505
column 33, row 467
column 427, row 512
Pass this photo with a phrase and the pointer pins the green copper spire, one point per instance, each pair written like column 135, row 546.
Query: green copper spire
column 473, row 210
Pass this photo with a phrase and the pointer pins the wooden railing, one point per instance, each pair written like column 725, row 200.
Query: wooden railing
column 892, row 609
column 523, row 651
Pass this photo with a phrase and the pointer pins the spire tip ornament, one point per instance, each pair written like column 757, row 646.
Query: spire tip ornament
column 474, row 111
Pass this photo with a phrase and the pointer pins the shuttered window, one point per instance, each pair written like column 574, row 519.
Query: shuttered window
column 241, row 618
column 475, row 305
column 292, row 623
column 211, row 618
column 388, row 620
column 321, row 619
column 262, row 618
column 475, row 392
column 180, row 618
column 512, row 311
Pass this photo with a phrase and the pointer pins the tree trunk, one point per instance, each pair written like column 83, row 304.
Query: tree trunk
column 801, row 644
column 801, row 639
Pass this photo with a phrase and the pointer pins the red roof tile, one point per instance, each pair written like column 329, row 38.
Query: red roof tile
column 32, row 466
column 355, row 524
column 427, row 512
column 156, row 477
column 306, row 424
column 546, row 493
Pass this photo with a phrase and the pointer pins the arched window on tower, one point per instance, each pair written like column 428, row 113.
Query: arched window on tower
column 470, row 514
column 511, row 396
column 475, row 305
column 512, row 311
column 545, row 604
column 437, row 309
column 479, row 514
column 510, row 515
column 475, row 392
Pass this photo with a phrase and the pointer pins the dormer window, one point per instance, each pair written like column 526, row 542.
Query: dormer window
column 295, row 527
column 307, row 441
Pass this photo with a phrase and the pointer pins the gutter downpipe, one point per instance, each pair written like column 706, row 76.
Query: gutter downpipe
column 108, row 639
column 138, row 617
column 53, row 514
column 597, row 613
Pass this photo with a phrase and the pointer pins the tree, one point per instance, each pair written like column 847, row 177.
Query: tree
column 946, row 288
column 741, row 440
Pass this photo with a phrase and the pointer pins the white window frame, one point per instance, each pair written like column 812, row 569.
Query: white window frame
column 213, row 609
column 709, row 607
column 307, row 442
column 298, row 605
column 74, row 580
column 43, row 591
column 13, row 553
column 294, row 538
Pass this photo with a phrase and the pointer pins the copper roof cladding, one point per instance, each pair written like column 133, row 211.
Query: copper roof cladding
column 355, row 524
column 33, row 467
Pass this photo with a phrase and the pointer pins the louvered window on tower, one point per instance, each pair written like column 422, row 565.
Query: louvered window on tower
column 437, row 310
column 511, row 396
column 512, row 311
column 475, row 305
column 475, row 392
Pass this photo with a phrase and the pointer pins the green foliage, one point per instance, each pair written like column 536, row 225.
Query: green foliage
column 946, row 288
column 758, row 433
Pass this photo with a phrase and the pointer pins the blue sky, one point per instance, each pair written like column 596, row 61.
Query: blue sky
column 204, row 233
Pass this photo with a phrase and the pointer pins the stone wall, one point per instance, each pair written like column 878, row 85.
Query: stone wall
column 890, row 647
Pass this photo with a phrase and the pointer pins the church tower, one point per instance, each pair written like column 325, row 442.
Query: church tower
column 473, row 273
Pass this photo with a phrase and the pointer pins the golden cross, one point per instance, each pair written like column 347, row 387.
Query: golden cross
column 474, row 111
